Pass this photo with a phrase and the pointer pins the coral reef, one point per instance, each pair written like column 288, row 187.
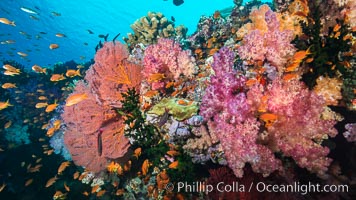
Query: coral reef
column 149, row 28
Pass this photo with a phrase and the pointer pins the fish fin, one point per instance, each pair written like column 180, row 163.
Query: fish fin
column 8, row 103
column 106, row 37
column 78, row 72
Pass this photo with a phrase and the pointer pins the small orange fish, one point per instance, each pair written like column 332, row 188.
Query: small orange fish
column 268, row 118
column 42, row 98
column 173, row 153
column 182, row 102
column 8, row 85
column 127, row 166
column 337, row 35
column 10, row 68
column 289, row 76
column 8, row 124
column 40, row 91
column 50, row 132
column 59, row 195
column 169, row 84
column 57, row 124
column 51, row 181
column 100, row 193
column 63, row 166
column 145, row 166
column 39, row 69
column 292, row 67
column 85, row 193
column 28, row 182
column 119, row 192
column 41, row 139
column 76, row 98
column 155, row 77
column 151, row 93
column 251, row 82
column 347, row 37
column 137, row 152
column 7, row 22
column 49, row 152
column 336, row 28
column 95, row 188
column 57, row 77
column 346, row 64
column 72, row 73
column 41, row 105
column 66, row 187
column 173, row 165
column 300, row 55
column 309, row 60
column 53, row 46
column 76, row 175
column 10, row 73
column 4, row 105
column 51, row 107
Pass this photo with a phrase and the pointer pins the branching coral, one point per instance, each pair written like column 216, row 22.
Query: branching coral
column 270, row 44
column 330, row 89
column 149, row 28
column 167, row 57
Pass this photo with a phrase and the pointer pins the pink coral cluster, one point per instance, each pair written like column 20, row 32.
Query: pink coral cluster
column 225, row 105
column 167, row 57
column 274, row 45
column 95, row 132
column 299, row 128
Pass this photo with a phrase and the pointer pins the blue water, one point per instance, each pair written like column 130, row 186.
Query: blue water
column 101, row 17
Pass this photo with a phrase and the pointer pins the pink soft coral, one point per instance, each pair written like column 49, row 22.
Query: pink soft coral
column 274, row 45
column 167, row 57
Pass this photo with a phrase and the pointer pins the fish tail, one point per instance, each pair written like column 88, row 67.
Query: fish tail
column 106, row 37
column 13, row 23
column 45, row 71
column 8, row 103
column 78, row 72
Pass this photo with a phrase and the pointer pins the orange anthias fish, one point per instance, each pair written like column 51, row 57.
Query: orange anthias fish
column 268, row 118
column 8, row 85
column 51, row 107
column 51, row 181
column 292, row 67
column 145, row 166
column 300, row 55
column 76, row 98
column 290, row 76
column 6, row 21
column 39, row 69
column 57, row 124
column 57, row 77
column 60, row 35
column 10, row 73
column 11, row 68
column 41, row 105
column 42, row 98
column 63, row 166
column 53, row 46
column 156, row 77
column 137, row 152
column 71, row 73
column 174, row 165
column 22, row 54
column 8, row 124
column 4, row 105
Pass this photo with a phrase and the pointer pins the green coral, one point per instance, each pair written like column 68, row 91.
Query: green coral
column 326, row 50
column 141, row 133
column 178, row 111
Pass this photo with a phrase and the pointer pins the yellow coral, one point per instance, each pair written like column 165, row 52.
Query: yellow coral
column 330, row 89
